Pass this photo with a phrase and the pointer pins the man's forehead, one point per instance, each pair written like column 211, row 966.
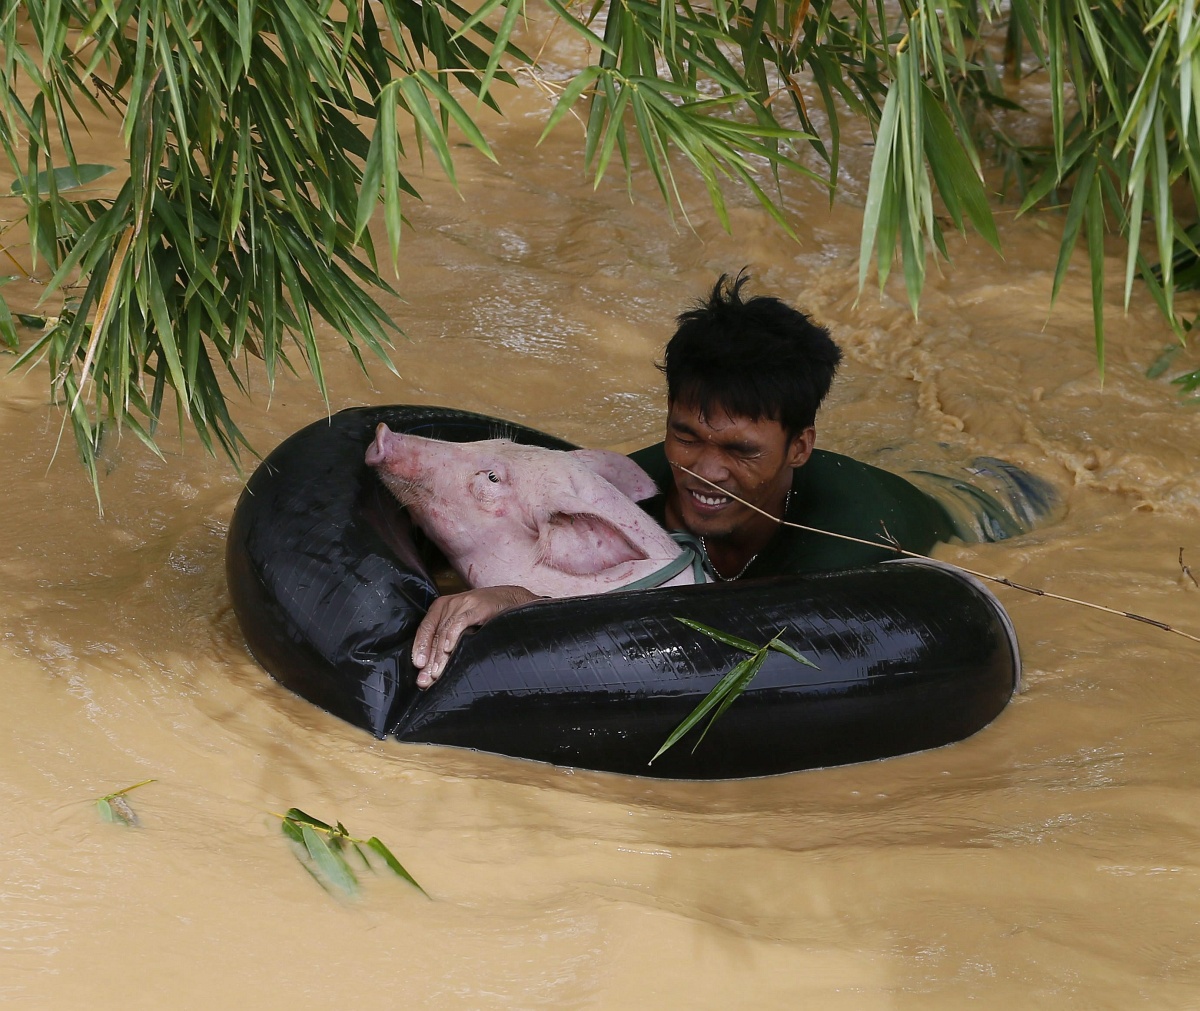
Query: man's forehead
column 714, row 414
column 717, row 419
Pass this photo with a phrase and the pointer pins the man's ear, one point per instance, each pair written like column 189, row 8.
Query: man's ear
column 801, row 446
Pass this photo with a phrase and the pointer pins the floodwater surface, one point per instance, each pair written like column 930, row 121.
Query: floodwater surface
column 1050, row 861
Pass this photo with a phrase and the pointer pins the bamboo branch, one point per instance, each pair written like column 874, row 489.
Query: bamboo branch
column 893, row 546
column 1186, row 570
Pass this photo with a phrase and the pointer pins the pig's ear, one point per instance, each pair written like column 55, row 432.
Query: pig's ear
column 583, row 544
column 619, row 471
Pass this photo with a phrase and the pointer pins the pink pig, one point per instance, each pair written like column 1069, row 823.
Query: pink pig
column 559, row 523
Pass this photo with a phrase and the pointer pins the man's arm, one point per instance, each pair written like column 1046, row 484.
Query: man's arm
column 450, row 616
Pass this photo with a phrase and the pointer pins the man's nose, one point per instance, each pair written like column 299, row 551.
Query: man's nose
column 710, row 464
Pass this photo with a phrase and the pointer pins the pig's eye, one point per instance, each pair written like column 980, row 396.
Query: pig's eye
column 492, row 477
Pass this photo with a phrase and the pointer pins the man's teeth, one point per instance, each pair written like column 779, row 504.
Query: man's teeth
column 710, row 500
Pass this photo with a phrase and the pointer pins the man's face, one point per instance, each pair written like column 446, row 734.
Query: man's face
column 750, row 459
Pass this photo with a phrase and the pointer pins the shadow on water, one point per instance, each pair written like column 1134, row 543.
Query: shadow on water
column 991, row 499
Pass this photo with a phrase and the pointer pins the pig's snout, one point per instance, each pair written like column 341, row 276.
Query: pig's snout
column 395, row 455
column 378, row 450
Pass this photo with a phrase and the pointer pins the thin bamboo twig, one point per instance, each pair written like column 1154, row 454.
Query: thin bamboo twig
column 25, row 275
column 893, row 546
column 1186, row 570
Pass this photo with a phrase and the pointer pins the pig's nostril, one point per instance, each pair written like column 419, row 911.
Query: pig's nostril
column 376, row 451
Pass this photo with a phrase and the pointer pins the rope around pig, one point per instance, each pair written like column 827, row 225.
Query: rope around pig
column 894, row 546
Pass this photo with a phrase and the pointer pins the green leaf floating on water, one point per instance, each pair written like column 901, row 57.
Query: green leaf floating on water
column 321, row 849
column 64, row 178
column 1163, row 361
column 113, row 807
column 394, row 865
column 732, row 684
column 299, row 818
column 329, row 861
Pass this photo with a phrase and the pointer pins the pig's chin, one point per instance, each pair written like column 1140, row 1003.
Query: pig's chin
column 427, row 512
column 407, row 493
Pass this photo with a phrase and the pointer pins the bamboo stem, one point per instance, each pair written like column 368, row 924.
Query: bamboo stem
column 893, row 546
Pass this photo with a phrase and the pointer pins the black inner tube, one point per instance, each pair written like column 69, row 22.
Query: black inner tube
column 329, row 583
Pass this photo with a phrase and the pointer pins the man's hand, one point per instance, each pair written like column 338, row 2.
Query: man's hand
column 453, row 614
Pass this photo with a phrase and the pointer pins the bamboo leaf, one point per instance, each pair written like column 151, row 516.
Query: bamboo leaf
column 569, row 97
column 166, row 335
column 456, row 112
column 1075, row 214
column 1164, row 361
column 913, row 251
column 294, row 814
column 888, row 231
column 326, row 846
column 427, row 123
column 1135, row 236
column 1095, row 239
column 389, row 155
column 500, row 43
column 655, row 155
column 8, row 329
column 789, row 651
column 372, row 179
column 722, row 637
column 1055, row 46
column 1096, row 47
column 878, row 187
column 331, row 864
column 731, row 695
column 708, row 703
column 67, row 178
column 579, row 27
column 115, row 808
column 1160, row 191
column 731, row 685
column 957, row 180
column 245, row 32
column 484, row 11
column 615, row 129
column 393, row 864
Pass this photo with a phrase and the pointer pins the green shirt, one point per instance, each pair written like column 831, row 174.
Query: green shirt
column 835, row 493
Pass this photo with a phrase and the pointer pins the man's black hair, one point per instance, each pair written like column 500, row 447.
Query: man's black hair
column 758, row 358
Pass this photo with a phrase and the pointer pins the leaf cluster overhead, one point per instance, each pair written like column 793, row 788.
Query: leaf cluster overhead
column 261, row 138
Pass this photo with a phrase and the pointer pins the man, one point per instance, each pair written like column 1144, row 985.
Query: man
column 744, row 381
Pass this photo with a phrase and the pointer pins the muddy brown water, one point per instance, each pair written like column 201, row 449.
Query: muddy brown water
column 1053, row 860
